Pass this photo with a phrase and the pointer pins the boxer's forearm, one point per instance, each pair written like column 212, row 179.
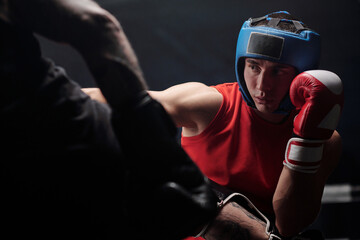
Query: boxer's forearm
column 296, row 201
column 297, row 198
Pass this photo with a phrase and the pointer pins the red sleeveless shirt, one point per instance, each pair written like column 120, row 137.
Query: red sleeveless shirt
column 240, row 150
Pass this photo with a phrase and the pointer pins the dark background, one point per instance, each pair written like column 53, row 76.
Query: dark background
column 179, row 41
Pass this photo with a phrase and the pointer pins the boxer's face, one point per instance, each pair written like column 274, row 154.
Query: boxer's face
column 267, row 82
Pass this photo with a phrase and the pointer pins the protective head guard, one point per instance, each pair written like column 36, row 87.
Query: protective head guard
column 300, row 49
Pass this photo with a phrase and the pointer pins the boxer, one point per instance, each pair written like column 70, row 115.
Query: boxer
column 271, row 135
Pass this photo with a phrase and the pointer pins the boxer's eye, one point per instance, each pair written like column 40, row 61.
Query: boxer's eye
column 254, row 68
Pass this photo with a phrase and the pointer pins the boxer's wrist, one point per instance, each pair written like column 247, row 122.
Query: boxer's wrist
column 303, row 155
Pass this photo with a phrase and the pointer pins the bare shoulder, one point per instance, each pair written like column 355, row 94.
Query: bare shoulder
column 191, row 105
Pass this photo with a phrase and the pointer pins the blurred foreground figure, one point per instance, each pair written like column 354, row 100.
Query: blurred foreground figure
column 74, row 168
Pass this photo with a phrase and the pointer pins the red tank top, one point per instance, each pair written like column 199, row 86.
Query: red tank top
column 240, row 150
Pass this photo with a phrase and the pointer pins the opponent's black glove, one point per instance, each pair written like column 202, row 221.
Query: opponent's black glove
column 167, row 195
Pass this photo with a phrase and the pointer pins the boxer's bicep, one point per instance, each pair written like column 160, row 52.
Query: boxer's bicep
column 190, row 105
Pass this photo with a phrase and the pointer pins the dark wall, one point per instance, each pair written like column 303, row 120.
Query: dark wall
column 194, row 40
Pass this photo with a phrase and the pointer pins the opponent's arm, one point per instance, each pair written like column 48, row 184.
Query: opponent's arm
column 92, row 31
column 157, row 169
column 235, row 222
column 238, row 218
column 313, row 153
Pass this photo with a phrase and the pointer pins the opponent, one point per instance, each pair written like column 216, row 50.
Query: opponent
column 271, row 136
column 72, row 168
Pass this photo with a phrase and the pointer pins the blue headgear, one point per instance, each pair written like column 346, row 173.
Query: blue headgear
column 300, row 50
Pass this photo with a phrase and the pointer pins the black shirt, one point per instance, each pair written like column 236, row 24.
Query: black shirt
column 61, row 173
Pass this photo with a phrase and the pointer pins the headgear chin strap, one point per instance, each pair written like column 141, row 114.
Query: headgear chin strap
column 300, row 49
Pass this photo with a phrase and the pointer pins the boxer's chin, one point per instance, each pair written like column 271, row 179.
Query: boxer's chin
column 266, row 108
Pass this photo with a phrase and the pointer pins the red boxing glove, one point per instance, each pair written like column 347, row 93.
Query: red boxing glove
column 318, row 94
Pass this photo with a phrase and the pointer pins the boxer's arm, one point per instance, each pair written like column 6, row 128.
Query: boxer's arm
column 297, row 198
column 183, row 102
column 191, row 105
column 314, row 151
